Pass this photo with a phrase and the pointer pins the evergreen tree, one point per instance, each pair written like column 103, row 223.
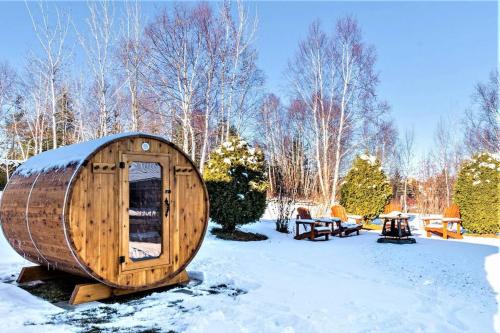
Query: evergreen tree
column 477, row 193
column 236, row 183
column 365, row 190
column 397, row 185
column 65, row 117
column 16, row 131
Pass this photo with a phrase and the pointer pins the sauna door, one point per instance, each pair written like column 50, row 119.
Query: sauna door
column 145, row 211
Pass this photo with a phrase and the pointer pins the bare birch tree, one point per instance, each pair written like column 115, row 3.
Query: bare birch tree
column 200, row 61
column 281, row 137
column 406, row 152
column 175, row 48
column 131, row 56
column 354, row 63
column 334, row 77
column 383, row 143
column 8, row 78
column 98, row 46
column 238, row 73
column 212, row 35
column 8, row 120
column 444, row 148
column 311, row 74
column 482, row 120
column 52, row 40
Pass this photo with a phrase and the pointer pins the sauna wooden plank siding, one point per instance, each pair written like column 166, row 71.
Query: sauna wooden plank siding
column 75, row 218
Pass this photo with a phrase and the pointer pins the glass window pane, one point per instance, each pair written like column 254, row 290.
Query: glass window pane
column 145, row 210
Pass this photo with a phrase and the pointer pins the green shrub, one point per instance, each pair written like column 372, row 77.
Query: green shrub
column 237, row 183
column 365, row 190
column 477, row 194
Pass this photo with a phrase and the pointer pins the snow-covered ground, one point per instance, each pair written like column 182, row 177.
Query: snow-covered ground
column 282, row 285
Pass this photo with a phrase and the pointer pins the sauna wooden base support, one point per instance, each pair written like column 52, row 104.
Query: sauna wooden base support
column 38, row 273
column 89, row 292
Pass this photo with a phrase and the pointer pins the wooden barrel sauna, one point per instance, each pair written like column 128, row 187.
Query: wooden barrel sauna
column 128, row 210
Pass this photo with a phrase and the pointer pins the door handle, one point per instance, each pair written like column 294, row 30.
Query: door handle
column 167, row 207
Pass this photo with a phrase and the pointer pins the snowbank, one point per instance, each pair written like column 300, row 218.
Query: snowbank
column 22, row 312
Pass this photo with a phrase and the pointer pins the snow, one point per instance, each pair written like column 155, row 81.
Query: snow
column 9, row 162
column 394, row 214
column 350, row 284
column 140, row 250
column 488, row 165
column 21, row 306
column 67, row 155
column 19, row 310
column 369, row 158
column 491, row 156
column 349, row 225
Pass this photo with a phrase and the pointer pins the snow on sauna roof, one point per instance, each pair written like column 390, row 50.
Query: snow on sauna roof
column 72, row 154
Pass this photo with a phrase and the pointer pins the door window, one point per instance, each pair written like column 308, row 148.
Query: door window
column 145, row 210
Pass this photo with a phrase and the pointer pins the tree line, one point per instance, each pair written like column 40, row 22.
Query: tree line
column 190, row 74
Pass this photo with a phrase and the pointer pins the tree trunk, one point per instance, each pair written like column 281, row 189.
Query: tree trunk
column 405, row 197
column 204, row 145
column 447, row 182
column 336, row 168
column 53, row 115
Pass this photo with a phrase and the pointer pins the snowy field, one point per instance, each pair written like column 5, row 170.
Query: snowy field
column 282, row 285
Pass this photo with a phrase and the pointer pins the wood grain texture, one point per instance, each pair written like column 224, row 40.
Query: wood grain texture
column 38, row 273
column 76, row 219
column 393, row 206
column 452, row 212
column 338, row 211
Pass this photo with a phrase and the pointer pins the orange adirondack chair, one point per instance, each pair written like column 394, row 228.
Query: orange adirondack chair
column 337, row 211
column 443, row 227
column 313, row 228
column 393, row 206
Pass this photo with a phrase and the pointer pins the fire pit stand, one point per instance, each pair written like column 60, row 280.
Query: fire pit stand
column 396, row 229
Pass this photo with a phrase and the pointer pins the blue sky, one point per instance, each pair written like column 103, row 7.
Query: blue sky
column 430, row 54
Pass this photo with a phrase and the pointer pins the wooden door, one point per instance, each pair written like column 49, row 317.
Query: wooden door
column 145, row 196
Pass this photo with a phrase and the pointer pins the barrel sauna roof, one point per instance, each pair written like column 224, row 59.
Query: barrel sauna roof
column 74, row 154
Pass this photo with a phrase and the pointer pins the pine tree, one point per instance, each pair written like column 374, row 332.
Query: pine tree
column 365, row 190
column 65, row 118
column 477, row 193
column 237, row 183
